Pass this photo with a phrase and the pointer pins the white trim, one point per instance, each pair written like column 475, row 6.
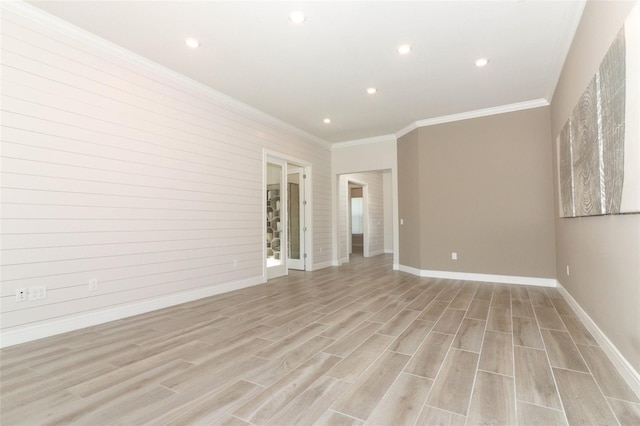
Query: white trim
column 506, row 279
column 388, row 251
column 41, row 17
column 322, row 265
column 408, row 269
column 376, row 252
column 626, row 370
column 407, row 129
column 308, row 197
column 376, row 139
column 344, row 260
column 535, row 103
column 76, row 322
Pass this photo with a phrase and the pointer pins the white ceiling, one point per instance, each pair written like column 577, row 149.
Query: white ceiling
column 322, row 68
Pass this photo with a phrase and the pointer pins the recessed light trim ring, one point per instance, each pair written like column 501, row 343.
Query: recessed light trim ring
column 191, row 42
column 297, row 17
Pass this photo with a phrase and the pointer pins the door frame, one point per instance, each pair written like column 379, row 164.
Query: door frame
column 308, row 211
column 365, row 216
column 300, row 263
column 280, row 269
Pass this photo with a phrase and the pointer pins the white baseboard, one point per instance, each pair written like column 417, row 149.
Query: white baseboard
column 76, row 322
column 344, row 260
column 388, row 251
column 626, row 370
column 507, row 279
column 376, row 253
column 408, row 269
column 322, row 265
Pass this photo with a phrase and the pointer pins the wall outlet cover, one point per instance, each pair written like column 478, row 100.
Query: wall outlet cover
column 21, row 295
column 37, row 293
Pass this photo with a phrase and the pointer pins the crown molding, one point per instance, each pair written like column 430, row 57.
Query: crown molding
column 375, row 139
column 41, row 17
column 408, row 129
column 535, row 103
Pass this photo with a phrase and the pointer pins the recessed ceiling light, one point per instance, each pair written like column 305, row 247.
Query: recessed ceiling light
column 327, row 120
column 404, row 49
column 192, row 43
column 371, row 90
column 297, row 17
column 481, row 62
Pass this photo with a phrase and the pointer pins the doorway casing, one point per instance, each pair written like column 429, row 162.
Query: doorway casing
column 306, row 227
column 365, row 218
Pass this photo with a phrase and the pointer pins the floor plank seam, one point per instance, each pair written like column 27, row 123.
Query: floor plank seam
column 200, row 360
column 555, row 380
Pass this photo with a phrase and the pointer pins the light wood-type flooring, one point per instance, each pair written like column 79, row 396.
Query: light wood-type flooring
column 350, row 345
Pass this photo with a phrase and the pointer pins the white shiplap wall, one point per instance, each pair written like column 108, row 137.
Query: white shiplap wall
column 117, row 169
column 375, row 214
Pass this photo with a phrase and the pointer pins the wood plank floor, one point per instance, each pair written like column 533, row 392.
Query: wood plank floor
column 350, row 345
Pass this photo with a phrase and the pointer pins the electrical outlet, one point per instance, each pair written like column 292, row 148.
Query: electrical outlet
column 401, row 221
column 37, row 293
column 93, row 284
column 454, row 255
column 568, row 272
column 21, row 295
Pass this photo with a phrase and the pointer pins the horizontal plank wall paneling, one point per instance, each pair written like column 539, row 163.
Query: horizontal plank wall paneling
column 116, row 169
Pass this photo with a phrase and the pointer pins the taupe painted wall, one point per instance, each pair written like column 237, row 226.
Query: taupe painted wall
column 484, row 190
column 387, row 192
column 603, row 252
column 409, row 199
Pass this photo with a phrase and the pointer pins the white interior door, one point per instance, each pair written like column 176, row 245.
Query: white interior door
column 296, row 228
column 276, row 213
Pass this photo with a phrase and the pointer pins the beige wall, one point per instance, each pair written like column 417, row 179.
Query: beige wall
column 603, row 252
column 388, row 211
column 484, row 190
column 409, row 199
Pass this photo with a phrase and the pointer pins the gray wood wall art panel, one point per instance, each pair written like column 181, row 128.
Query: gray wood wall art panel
column 591, row 146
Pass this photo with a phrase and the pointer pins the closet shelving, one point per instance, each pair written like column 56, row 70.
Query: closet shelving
column 274, row 225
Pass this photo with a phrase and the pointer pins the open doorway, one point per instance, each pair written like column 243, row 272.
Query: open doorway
column 364, row 214
column 356, row 219
column 286, row 216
